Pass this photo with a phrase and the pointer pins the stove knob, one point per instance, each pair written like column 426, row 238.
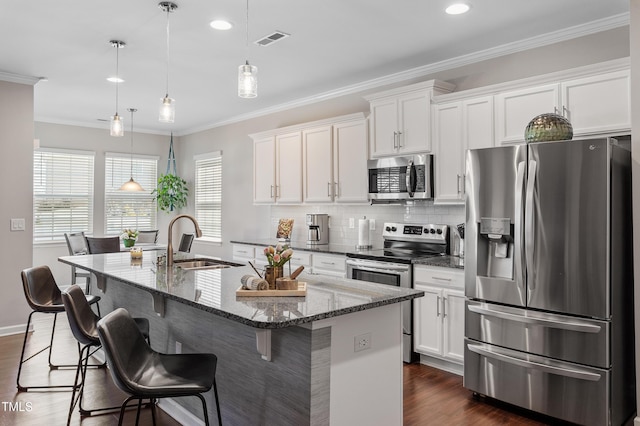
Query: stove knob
column 394, row 229
column 387, row 229
column 432, row 231
column 439, row 231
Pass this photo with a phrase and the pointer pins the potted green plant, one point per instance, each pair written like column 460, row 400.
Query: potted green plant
column 171, row 193
column 129, row 237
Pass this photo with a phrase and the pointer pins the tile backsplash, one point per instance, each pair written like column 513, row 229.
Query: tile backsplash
column 340, row 231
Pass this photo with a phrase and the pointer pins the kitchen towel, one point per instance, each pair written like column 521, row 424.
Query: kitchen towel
column 249, row 282
column 364, row 239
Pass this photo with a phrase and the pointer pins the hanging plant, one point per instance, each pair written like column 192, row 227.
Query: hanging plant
column 172, row 191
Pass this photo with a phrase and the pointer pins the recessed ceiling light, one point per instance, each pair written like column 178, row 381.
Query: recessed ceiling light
column 457, row 9
column 115, row 80
column 221, row 24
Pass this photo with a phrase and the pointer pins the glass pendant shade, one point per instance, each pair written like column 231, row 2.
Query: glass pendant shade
column 131, row 185
column 167, row 110
column 116, row 127
column 247, row 81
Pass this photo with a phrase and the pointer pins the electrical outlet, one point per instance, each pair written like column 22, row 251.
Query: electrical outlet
column 362, row 342
column 352, row 223
column 372, row 224
column 178, row 347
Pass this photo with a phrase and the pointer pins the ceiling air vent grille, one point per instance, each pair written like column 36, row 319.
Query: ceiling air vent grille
column 271, row 38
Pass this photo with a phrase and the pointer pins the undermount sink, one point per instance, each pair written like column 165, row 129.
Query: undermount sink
column 192, row 264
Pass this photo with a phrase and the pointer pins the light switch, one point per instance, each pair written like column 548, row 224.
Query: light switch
column 17, row 224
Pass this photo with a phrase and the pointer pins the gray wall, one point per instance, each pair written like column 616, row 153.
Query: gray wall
column 16, row 177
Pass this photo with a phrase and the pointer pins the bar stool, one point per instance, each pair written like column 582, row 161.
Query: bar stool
column 77, row 245
column 44, row 296
column 83, row 323
column 185, row 243
column 98, row 245
column 143, row 373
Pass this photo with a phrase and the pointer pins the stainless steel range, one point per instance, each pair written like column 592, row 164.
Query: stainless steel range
column 392, row 264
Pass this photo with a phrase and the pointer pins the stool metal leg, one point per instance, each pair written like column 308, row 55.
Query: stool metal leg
column 204, row 409
column 215, row 393
column 22, row 360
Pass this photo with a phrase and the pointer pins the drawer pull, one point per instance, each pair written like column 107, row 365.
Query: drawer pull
column 442, row 279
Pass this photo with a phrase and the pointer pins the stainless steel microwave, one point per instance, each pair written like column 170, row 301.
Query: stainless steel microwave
column 401, row 178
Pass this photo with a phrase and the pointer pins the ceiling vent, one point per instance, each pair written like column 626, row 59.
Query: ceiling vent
column 271, row 38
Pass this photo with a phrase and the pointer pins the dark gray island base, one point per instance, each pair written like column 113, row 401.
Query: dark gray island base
column 281, row 360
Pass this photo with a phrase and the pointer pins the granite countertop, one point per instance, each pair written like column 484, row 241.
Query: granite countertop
column 446, row 261
column 214, row 290
column 331, row 248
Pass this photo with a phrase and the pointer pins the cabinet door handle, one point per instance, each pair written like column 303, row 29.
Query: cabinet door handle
column 458, row 183
column 444, row 307
column 328, row 189
column 399, row 139
column 271, row 192
column 437, row 306
column 565, row 112
column 336, row 189
column 555, row 110
column 395, row 140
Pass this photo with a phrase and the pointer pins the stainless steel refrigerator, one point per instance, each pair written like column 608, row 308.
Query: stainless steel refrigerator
column 549, row 280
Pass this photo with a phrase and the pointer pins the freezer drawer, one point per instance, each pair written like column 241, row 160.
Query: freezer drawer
column 584, row 341
column 563, row 390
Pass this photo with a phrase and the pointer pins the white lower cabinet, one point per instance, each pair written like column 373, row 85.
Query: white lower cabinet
column 438, row 317
column 329, row 264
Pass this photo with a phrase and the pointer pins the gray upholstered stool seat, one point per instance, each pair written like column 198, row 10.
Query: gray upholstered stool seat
column 143, row 373
column 84, row 326
column 44, row 296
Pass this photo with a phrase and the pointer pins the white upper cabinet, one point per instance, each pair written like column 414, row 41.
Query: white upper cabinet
column 595, row 104
column 400, row 118
column 320, row 162
column 515, row 109
column 458, row 126
column 264, row 170
column 350, row 162
column 289, row 168
column 598, row 104
column 335, row 162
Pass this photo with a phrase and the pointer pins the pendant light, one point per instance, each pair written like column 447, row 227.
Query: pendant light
column 167, row 104
column 131, row 185
column 116, row 125
column 247, row 74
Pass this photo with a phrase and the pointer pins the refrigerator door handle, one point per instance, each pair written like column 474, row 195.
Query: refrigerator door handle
column 574, row 373
column 518, row 228
column 529, row 224
column 565, row 325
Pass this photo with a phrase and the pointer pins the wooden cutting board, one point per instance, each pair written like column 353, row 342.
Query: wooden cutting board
column 301, row 291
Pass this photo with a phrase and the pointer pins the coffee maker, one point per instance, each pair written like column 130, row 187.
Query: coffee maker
column 318, row 229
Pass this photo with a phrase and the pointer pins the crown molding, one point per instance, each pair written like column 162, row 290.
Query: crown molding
column 565, row 34
column 18, row 78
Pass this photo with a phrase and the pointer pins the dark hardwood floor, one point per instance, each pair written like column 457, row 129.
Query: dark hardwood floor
column 431, row 396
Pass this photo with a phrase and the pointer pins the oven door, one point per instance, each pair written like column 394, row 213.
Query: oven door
column 388, row 273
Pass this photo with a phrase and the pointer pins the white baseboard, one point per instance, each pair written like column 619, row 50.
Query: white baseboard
column 636, row 421
column 442, row 364
column 178, row 412
column 14, row 329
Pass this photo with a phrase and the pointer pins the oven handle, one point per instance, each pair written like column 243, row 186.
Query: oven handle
column 375, row 267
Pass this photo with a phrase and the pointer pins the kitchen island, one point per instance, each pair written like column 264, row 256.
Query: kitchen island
column 333, row 356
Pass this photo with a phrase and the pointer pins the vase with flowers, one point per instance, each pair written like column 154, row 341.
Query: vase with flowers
column 129, row 237
column 277, row 257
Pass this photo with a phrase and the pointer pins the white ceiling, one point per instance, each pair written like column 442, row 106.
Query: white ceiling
column 335, row 46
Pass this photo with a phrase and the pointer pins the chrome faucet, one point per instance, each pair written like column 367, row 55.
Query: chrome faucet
column 170, row 236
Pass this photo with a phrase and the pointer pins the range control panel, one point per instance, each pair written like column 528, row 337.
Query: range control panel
column 415, row 231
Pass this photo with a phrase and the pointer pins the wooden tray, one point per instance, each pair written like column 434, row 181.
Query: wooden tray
column 301, row 291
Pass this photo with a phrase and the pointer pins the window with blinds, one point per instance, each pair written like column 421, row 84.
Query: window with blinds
column 208, row 195
column 62, row 193
column 129, row 210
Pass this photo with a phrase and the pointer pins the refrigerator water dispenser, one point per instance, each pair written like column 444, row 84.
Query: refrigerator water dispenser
column 496, row 244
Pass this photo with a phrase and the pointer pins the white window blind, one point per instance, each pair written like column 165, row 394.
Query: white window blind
column 62, row 193
column 129, row 210
column 208, row 195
